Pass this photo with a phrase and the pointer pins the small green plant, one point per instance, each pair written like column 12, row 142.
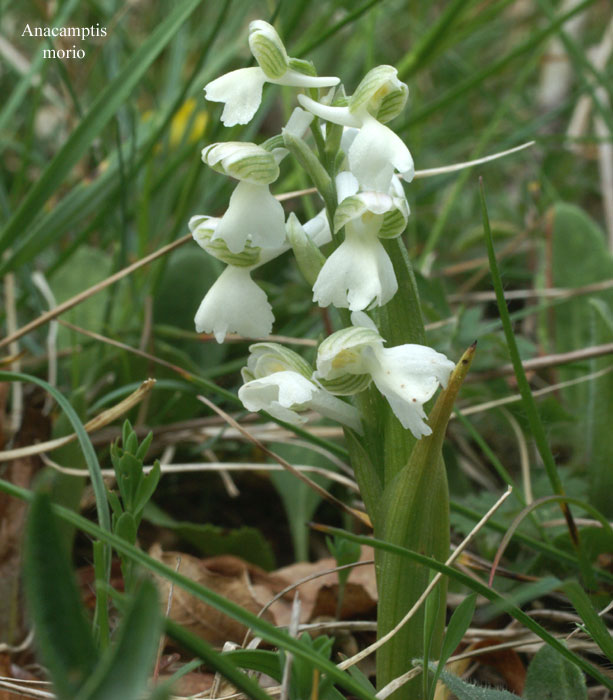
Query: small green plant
column 135, row 490
column 79, row 669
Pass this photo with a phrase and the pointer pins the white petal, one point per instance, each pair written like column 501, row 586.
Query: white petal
column 297, row 79
column 377, row 202
column 279, row 394
column 408, row 376
column 363, row 320
column 252, row 211
column 348, row 137
column 318, row 229
column 236, row 304
column 336, row 115
column 357, row 275
column 346, row 185
column 241, row 90
column 298, row 123
column 374, row 154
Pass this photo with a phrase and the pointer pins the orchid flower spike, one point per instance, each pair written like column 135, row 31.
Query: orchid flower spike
column 359, row 274
column 279, row 381
column 235, row 303
column 407, row 375
column 241, row 90
column 376, row 150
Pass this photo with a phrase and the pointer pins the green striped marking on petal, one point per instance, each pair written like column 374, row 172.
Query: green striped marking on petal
column 375, row 85
column 392, row 104
column 267, row 49
column 394, row 223
column 349, row 209
column 267, row 358
column 341, row 352
column 346, row 384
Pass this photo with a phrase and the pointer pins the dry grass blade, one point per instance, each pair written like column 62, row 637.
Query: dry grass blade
column 214, row 467
column 94, row 424
column 445, row 169
column 362, row 517
column 87, row 293
column 561, row 358
column 512, row 294
column 311, row 577
column 514, row 398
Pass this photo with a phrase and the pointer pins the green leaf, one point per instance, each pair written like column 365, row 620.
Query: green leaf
column 467, row 691
column 222, row 663
column 551, row 677
column 414, row 513
column 299, row 500
column 257, row 660
column 474, row 584
column 309, row 258
column 89, row 453
column 592, row 621
column 125, row 527
column 282, row 639
column 147, row 487
column 63, row 635
column 125, row 669
column 310, row 163
column 101, row 112
column 528, row 401
column 458, row 624
column 580, row 322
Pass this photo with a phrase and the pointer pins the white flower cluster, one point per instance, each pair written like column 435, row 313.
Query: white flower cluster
column 281, row 382
column 358, row 275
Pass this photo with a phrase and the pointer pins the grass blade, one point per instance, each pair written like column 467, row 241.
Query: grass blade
column 125, row 669
column 532, row 414
column 89, row 453
column 478, row 587
column 268, row 632
column 98, row 116
column 63, row 636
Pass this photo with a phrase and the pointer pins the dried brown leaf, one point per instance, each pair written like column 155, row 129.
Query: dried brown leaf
column 242, row 583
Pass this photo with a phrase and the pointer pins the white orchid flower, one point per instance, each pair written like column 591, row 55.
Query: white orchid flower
column 235, row 303
column 241, row 90
column 359, row 274
column 278, row 380
column 253, row 211
column 407, row 375
column 376, row 150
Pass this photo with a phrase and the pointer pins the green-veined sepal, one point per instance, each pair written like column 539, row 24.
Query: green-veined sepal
column 203, row 230
column 381, row 93
column 268, row 49
column 342, row 352
column 247, row 162
column 346, row 384
column 268, row 358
